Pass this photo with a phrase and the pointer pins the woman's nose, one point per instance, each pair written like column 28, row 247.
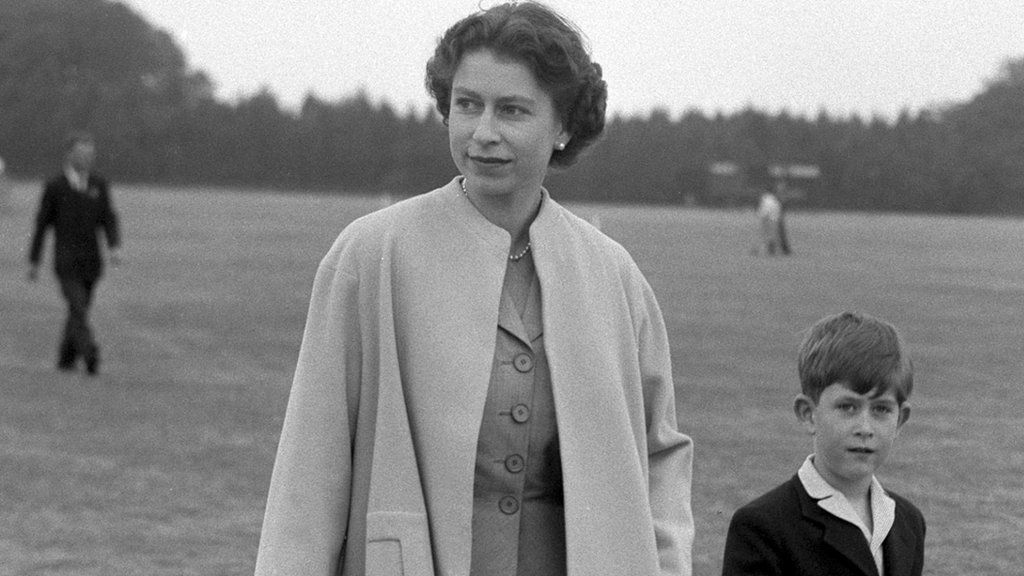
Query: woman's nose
column 486, row 131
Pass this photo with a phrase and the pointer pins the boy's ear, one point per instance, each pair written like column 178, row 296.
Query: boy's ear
column 803, row 407
column 904, row 414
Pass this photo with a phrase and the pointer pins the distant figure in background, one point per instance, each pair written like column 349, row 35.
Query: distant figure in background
column 773, row 224
column 5, row 191
column 77, row 205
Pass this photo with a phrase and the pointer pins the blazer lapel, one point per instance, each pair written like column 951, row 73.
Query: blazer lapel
column 898, row 550
column 843, row 537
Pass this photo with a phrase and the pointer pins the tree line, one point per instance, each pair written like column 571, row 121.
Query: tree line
column 99, row 66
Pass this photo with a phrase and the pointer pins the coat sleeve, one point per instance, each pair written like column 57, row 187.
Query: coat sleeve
column 45, row 218
column 670, row 452
column 108, row 219
column 749, row 547
column 306, row 518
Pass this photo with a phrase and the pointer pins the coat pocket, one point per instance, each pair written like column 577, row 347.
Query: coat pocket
column 398, row 544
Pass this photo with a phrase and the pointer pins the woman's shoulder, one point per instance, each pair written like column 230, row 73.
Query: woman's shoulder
column 369, row 233
column 588, row 236
column 402, row 213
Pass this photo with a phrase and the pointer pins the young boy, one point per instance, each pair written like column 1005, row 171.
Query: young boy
column 833, row 517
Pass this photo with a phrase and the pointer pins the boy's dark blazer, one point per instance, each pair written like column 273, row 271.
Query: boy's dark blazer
column 785, row 532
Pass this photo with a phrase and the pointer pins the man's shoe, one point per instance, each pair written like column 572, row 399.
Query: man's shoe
column 66, row 357
column 92, row 363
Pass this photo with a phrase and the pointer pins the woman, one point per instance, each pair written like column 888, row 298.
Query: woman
column 484, row 385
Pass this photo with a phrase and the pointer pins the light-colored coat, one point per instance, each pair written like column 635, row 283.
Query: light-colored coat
column 374, row 471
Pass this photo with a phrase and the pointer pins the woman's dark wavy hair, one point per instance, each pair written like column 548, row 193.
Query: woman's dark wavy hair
column 551, row 46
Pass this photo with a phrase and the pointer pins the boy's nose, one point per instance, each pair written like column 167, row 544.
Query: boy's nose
column 862, row 427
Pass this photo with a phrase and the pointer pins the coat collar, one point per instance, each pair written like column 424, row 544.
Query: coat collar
column 842, row 536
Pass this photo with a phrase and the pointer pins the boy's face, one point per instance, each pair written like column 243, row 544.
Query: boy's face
column 853, row 433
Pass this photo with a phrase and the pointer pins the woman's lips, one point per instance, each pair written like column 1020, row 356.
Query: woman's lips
column 489, row 160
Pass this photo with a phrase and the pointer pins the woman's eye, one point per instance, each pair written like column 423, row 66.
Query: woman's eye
column 513, row 110
column 464, row 104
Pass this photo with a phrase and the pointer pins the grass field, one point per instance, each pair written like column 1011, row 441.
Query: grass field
column 160, row 465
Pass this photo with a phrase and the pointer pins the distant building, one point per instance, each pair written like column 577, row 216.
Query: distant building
column 792, row 181
column 727, row 183
column 731, row 184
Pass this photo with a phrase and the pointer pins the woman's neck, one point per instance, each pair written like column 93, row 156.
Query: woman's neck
column 512, row 212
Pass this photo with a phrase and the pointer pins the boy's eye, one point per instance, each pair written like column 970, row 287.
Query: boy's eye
column 884, row 409
column 847, row 407
column 512, row 110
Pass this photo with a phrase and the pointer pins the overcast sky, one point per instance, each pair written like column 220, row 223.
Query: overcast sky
column 863, row 56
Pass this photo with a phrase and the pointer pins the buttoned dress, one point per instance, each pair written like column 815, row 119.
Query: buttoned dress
column 518, row 503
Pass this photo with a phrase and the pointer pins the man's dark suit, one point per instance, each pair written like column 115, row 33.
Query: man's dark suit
column 76, row 216
column 786, row 533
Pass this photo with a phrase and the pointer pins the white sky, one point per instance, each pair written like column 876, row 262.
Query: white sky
column 864, row 56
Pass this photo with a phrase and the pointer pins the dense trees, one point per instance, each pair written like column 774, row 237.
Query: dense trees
column 97, row 65
column 89, row 64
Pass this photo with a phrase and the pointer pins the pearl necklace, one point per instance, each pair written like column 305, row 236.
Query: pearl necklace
column 512, row 257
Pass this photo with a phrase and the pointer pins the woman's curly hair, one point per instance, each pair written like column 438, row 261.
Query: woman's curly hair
column 547, row 43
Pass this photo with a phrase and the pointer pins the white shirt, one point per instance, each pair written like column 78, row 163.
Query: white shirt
column 883, row 508
column 770, row 208
column 78, row 180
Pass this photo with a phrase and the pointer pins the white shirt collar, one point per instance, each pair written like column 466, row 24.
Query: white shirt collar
column 78, row 180
column 883, row 508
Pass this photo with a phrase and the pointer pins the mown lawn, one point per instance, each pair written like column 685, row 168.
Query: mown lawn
column 161, row 464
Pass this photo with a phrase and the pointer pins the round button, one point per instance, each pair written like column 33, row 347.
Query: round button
column 508, row 504
column 520, row 413
column 514, row 463
column 523, row 362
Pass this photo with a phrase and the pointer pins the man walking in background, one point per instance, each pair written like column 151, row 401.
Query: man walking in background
column 77, row 205
column 773, row 224
column 5, row 191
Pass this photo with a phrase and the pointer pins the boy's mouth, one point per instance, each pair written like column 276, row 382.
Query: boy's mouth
column 862, row 450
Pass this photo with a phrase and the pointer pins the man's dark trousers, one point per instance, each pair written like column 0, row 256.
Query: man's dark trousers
column 77, row 340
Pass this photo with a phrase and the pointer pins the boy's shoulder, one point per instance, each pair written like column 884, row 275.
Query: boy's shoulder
column 907, row 513
column 788, row 499
column 782, row 500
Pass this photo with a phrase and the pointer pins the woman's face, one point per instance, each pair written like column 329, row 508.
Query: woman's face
column 502, row 127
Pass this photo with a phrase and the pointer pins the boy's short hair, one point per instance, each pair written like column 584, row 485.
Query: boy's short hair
column 862, row 352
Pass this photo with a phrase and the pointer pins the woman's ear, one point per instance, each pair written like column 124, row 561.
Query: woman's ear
column 562, row 139
column 803, row 407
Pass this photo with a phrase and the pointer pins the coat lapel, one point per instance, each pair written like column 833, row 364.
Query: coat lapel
column 899, row 550
column 446, row 278
column 602, row 464
column 843, row 537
